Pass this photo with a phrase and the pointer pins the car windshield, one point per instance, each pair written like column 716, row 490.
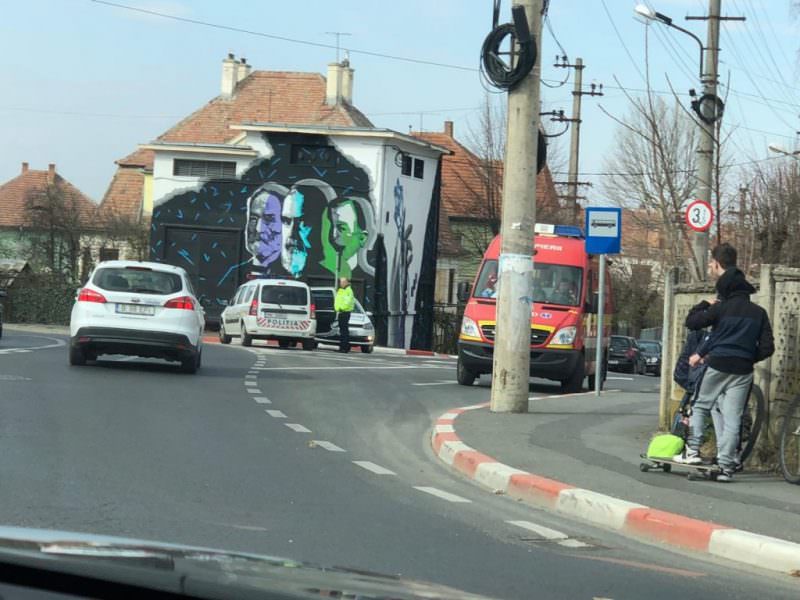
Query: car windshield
column 620, row 343
column 552, row 284
column 137, row 280
column 651, row 347
column 285, row 295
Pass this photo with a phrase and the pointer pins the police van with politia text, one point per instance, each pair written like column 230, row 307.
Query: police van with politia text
column 564, row 298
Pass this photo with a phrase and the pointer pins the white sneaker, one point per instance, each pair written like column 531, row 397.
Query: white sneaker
column 689, row 458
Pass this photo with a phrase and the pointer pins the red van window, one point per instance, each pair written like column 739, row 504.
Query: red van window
column 552, row 284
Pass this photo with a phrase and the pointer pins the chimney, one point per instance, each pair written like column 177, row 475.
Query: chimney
column 333, row 91
column 347, row 82
column 229, row 76
column 24, row 168
column 51, row 172
column 448, row 128
column 242, row 69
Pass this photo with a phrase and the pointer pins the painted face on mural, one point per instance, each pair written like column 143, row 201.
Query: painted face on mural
column 295, row 233
column 269, row 230
column 344, row 233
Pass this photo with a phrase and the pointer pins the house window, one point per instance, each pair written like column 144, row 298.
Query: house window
column 419, row 168
column 314, row 155
column 406, row 166
column 109, row 254
column 208, row 169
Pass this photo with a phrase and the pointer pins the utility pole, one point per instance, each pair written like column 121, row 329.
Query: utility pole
column 512, row 352
column 707, row 145
column 575, row 132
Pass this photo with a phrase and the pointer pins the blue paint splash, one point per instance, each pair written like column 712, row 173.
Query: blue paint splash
column 185, row 255
column 206, row 205
column 179, row 214
column 214, row 245
column 231, row 269
column 319, row 172
column 206, row 257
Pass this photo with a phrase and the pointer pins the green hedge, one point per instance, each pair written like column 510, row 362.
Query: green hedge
column 40, row 303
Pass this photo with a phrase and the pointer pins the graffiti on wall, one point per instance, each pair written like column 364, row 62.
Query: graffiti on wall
column 287, row 225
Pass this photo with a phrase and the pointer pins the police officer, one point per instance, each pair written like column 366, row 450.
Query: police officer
column 344, row 304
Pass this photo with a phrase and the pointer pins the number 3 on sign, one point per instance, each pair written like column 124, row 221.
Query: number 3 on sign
column 699, row 215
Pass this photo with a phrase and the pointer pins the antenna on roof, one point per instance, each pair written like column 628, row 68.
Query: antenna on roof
column 338, row 35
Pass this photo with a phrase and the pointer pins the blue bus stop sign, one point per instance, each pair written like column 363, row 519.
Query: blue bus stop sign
column 603, row 230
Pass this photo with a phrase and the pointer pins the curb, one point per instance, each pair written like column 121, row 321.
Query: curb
column 628, row 518
column 214, row 339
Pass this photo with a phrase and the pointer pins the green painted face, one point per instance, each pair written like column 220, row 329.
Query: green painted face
column 342, row 236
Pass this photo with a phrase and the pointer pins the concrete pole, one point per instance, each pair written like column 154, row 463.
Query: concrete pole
column 575, row 137
column 510, row 370
column 667, row 342
column 705, row 166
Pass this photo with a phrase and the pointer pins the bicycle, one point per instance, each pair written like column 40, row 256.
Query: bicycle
column 790, row 442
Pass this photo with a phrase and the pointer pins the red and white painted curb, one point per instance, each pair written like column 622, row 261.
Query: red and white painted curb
column 626, row 517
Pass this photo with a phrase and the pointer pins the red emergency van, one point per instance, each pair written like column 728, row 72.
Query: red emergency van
column 563, row 315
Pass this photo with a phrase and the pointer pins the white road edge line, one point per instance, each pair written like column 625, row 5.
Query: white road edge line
column 371, row 466
column 437, row 383
column 298, row 428
column 545, row 532
column 440, row 494
column 328, row 446
column 275, row 413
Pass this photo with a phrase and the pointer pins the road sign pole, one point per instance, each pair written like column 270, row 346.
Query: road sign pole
column 600, row 337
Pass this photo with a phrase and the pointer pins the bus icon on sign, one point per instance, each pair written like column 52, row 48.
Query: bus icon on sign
column 609, row 224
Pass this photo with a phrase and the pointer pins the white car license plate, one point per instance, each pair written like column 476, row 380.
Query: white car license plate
column 136, row 309
column 613, row 362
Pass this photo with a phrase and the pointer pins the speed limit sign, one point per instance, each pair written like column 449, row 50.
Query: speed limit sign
column 699, row 215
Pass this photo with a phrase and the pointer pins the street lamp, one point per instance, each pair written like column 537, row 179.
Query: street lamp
column 648, row 14
column 778, row 149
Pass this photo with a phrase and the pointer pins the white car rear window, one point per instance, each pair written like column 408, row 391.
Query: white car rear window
column 137, row 280
column 284, row 295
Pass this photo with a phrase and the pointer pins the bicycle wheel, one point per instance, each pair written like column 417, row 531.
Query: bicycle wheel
column 752, row 420
column 790, row 443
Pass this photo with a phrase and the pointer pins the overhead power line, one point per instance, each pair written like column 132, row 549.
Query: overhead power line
column 282, row 38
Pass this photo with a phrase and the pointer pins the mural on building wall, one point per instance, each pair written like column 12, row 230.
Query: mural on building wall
column 305, row 212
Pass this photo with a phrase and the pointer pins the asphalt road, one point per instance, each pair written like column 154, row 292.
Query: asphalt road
column 256, row 452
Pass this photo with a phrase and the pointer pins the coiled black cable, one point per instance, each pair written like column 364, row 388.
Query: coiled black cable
column 495, row 69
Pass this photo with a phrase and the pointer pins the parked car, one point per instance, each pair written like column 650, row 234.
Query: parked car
column 270, row 309
column 362, row 331
column 625, row 355
column 137, row 308
column 651, row 350
column 2, row 295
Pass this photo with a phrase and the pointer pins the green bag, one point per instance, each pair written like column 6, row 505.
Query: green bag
column 665, row 445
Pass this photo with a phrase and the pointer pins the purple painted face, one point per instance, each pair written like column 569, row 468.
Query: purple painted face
column 269, row 230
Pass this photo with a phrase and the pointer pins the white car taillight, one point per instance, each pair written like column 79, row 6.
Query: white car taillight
column 89, row 295
column 182, row 303
column 253, row 307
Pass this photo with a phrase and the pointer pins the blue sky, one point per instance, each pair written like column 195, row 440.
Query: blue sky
column 84, row 83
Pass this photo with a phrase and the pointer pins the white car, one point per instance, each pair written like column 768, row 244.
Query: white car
column 270, row 309
column 362, row 331
column 137, row 308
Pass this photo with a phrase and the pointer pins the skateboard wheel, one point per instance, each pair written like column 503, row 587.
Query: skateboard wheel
column 666, row 468
column 644, row 467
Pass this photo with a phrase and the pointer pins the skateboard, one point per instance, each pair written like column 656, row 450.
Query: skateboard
column 707, row 471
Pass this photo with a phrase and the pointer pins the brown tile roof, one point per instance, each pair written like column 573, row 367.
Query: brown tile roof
column 123, row 198
column 15, row 193
column 464, row 185
column 263, row 96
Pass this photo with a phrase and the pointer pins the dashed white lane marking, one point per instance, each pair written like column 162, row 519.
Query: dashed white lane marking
column 440, row 494
column 262, row 400
column 574, row 544
column 251, row 376
column 298, row 428
column 371, row 466
column 15, row 351
column 275, row 413
column 569, row 395
column 620, row 378
column 437, row 383
column 251, row 383
column 545, row 532
column 253, row 391
column 327, row 446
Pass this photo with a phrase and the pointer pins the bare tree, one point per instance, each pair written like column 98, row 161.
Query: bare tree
column 131, row 233
column 652, row 172
column 56, row 219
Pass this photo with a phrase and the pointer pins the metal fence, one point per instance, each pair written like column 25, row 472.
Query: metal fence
column 446, row 325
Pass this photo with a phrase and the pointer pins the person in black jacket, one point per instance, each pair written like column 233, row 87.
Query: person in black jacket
column 741, row 336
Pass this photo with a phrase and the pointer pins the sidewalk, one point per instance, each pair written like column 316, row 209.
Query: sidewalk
column 594, row 444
